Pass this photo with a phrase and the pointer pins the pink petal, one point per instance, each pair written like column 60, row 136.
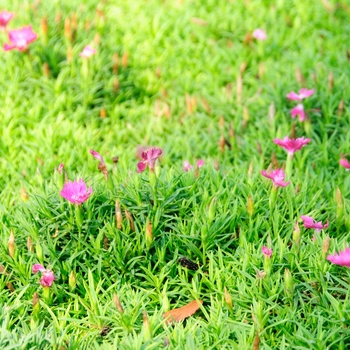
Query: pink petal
column 266, row 251
column 342, row 259
column 87, row 51
column 292, row 145
column 259, row 34
column 298, row 111
column 141, row 167
column 345, row 163
column 76, row 192
column 187, row 166
column 293, row 96
column 200, row 163
column 47, row 278
column 97, row 156
column 277, row 176
column 38, row 267
column 303, row 93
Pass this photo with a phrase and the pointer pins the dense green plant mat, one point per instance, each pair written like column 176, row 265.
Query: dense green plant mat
column 187, row 77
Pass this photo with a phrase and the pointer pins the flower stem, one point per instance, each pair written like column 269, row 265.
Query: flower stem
column 79, row 216
column 289, row 165
column 272, row 199
column 47, row 295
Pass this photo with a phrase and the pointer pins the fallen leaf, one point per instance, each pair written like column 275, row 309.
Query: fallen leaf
column 181, row 313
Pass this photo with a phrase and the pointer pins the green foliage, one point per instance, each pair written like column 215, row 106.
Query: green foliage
column 174, row 87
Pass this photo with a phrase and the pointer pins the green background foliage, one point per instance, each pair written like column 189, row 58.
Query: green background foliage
column 178, row 51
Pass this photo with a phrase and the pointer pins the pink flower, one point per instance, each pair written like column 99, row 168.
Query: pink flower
column 97, row 156
column 303, row 93
column 149, row 158
column 292, row 145
column 298, row 110
column 266, row 251
column 277, row 176
column 310, row 223
column 5, row 17
column 76, row 192
column 259, row 34
column 188, row 166
column 87, row 52
column 20, row 38
column 200, row 163
column 345, row 163
column 342, row 259
column 47, row 276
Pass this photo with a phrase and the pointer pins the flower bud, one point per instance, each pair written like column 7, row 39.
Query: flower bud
column 228, row 299
column 72, row 282
column 212, row 210
column 24, row 195
column 296, row 234
column 30, row 245
column 118, row 304
column 250, row 206
column 146, row 327
column 125, row 59
column 130, row 219
column 288, row 283
column 325, row 246
column 67, row 29
column 149, row 234
column 46, row 69
column 340, row 204
column 118, row 215
column 11, row 244
column 44, row 30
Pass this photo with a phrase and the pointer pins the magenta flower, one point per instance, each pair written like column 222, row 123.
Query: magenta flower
column 20, row 38
column 5, row 17
column 345, row 163
column 97, row 156
column 76, row 192
column 149, row 158
column 292, row 145
column 298, row 110
column 101, row 165
column 188, row 166
column 342, row 259
column 87, row 51
column 303, row 93
column 310, row 223
column 47, row 276
column 259, row 34
column 266, row 251
column 200, row 163
column 277, row 176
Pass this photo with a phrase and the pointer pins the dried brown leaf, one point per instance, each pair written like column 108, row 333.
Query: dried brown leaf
column 181, row 313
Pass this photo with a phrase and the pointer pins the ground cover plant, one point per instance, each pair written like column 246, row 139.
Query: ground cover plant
column 174, row 174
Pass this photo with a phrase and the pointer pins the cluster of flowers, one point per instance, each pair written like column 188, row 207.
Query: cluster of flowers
column 20, row 38
column 278, row 176
column 77, row 192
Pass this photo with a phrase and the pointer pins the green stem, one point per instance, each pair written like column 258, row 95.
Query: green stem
column 289, row 165
column 272, row 200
